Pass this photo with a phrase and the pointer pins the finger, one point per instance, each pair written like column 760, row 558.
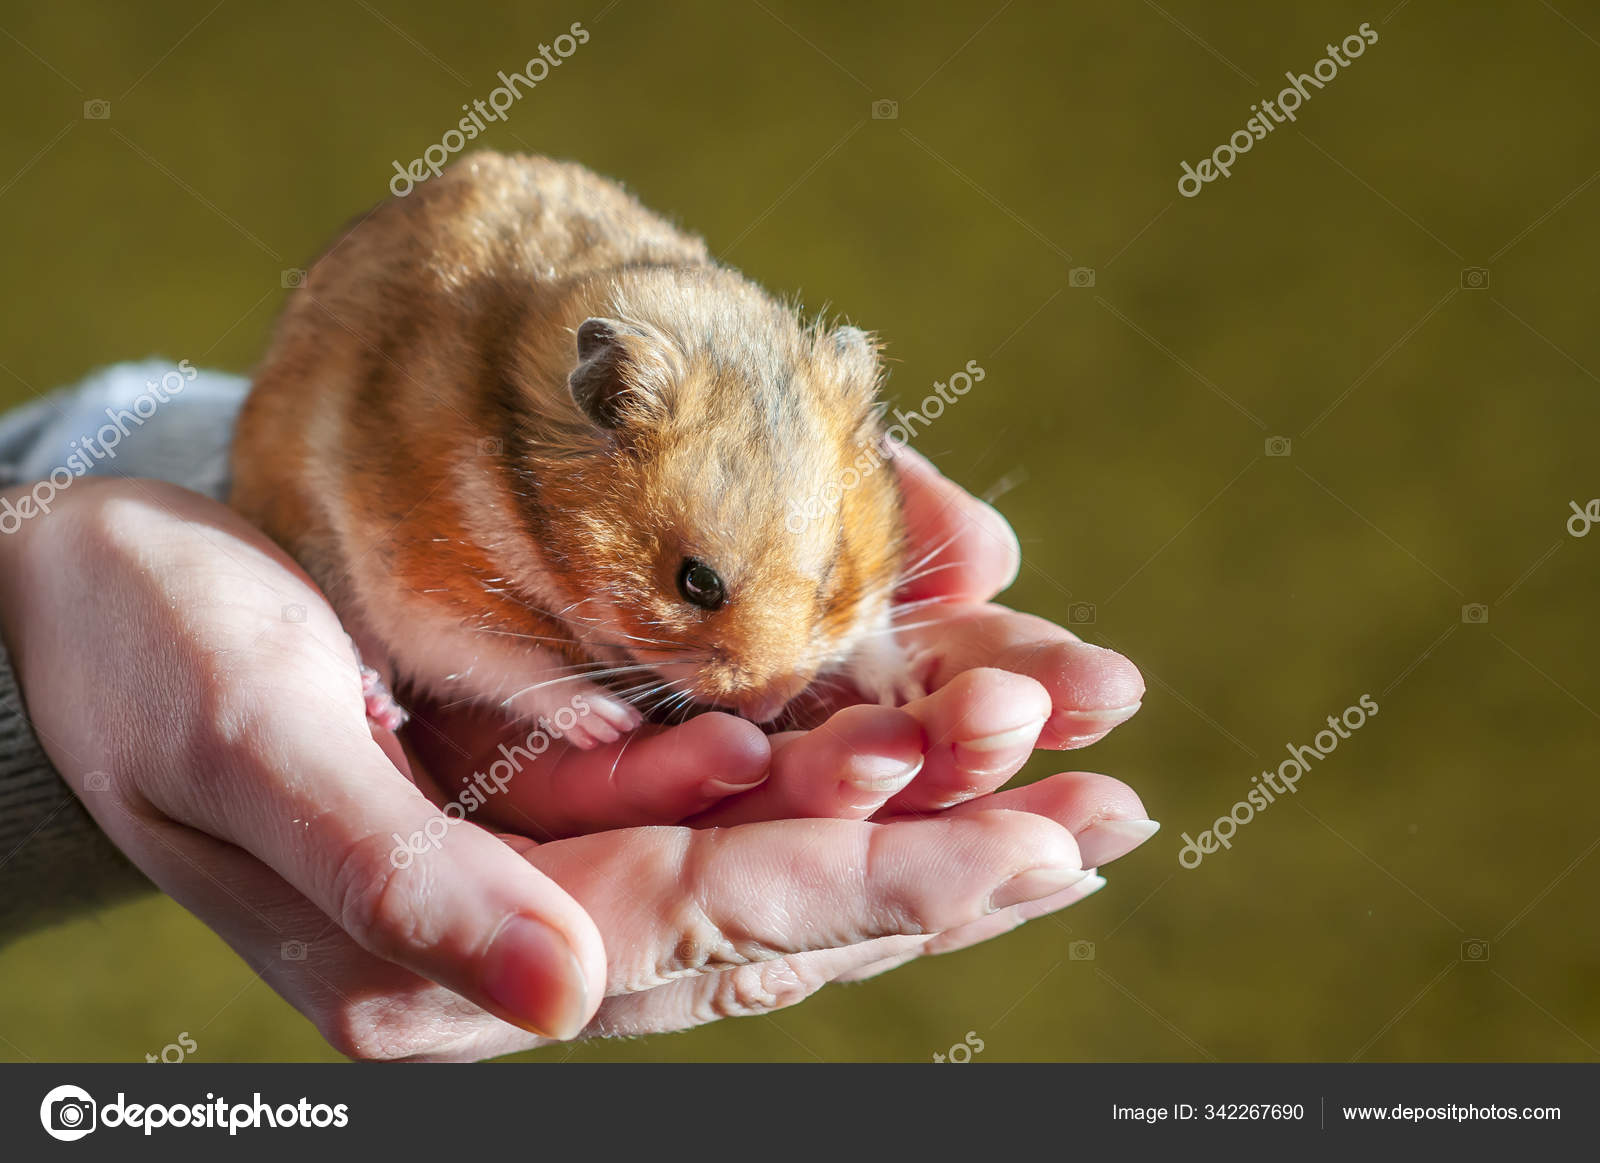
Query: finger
column 958, row 546
column 979, row 931
column 881, row 966
column 1091, row 689
column 312, row 796
column 760, row 987
column 1105, row 815
column 973, row 933
column 988, row 928
column 980, row 728
column 697, row 900
column 366, row 1007
column 884, row 964
column 846, row 769
column 529, row 783
column 1106, row 818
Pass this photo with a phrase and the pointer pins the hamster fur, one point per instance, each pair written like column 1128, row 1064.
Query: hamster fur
column 540, row 451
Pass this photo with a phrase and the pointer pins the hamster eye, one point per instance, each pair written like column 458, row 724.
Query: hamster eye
column 700, row 585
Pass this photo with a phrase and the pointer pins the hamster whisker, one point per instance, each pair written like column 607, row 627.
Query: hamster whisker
column 679, row 704
column 901, row 608
column 562, row 616
column 933, row 553
column 641, row 691
column 611, row 776
column 646, row 641
column 622, row 646
column 898, row 628
column 595, row 622
column 524, row 637
column 932, row 569
column 818, row 708
column 663, row 697
column 583, row 676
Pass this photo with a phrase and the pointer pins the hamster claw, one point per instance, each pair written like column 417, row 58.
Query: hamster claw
column 382, row 709
column 903, row 692
column 894, row 691
column 616, row 714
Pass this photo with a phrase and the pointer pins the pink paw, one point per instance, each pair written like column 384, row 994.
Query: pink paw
column 604, row 719
column 382, row 710
column 582, row 715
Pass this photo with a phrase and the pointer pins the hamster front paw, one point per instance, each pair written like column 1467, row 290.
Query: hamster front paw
column 584, row 714
column 882, row 670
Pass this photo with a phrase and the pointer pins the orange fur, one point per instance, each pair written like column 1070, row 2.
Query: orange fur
column 412, row 440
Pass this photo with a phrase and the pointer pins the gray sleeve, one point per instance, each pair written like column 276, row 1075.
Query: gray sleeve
column 154, row 419
column 54, row 860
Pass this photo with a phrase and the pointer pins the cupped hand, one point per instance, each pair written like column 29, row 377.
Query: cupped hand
column 200, row 697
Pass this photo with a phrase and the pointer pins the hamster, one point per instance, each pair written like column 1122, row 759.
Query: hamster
column 540, row 451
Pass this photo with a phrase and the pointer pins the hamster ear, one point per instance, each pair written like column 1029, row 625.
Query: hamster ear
column 606, row 375
column 854, row 343
column 856, row 354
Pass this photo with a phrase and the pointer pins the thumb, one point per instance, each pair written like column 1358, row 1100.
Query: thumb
column 322, row 805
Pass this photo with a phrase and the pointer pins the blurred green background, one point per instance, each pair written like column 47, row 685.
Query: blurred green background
column 1436, row 430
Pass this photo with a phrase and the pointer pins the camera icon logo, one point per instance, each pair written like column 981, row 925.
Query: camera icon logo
column 68, row 1113
column 1080, row 951
column 1475, row 614
column 293, row 950
column 292, row 278
column 885, row 110
column 97, row 781
column 1081, row 613
column 1279, row 446
column 1475, row 279
column 97, row 110
column 1474, row 949
column 1080, row 277
column 491, row 446
column 294, row 613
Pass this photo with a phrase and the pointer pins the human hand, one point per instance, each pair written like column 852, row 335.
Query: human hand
column 227, row 753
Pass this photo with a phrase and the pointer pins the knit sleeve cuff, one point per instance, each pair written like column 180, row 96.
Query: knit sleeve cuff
column 55, row 862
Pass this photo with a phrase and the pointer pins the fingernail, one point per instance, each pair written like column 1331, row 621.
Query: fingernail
column 533, row 975
column 1086, row 887
column 1073, row 742
column 879, row 773
column 979, row 754
column 1016, row 737
column 719, row 788
column 1092, row 722
column 1033, row 885
column 1104, row 841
